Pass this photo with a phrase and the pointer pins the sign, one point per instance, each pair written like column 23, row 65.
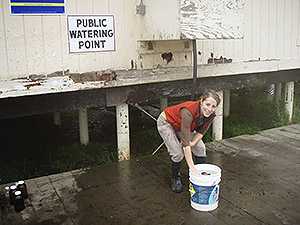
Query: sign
column 212, row 19
column 91, row 33
column 37, row 6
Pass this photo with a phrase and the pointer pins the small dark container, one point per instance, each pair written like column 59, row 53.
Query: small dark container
column 21, row 186
column 3, row 200
column 19, row 201
column 12, row 190
column 6, row 191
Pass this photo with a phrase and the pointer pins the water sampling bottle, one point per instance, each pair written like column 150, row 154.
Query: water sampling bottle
column 19, row 201
column 3, row 200
column 21, row 186
column 12, row 190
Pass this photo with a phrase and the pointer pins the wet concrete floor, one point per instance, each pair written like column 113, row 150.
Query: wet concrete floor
column 260, row 185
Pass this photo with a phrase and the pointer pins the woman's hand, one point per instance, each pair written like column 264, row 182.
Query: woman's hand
column 188, row 157
column 194, row 169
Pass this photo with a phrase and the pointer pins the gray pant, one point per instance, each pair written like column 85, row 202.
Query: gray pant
column 169, row 135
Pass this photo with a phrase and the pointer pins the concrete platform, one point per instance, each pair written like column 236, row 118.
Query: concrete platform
column 260, row 185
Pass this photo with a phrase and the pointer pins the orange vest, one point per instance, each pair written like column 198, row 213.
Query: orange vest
column 173, row 113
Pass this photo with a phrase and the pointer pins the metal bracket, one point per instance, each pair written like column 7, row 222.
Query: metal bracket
column 141, row 9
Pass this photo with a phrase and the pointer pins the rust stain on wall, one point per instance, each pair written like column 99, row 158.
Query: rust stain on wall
column 106, row 75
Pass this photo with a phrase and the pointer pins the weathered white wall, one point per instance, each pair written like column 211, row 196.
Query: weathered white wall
column 161, row 21
column 181, row 50
column 39, row 44
column 212, row 19
column 271, row 31
column 272, row 28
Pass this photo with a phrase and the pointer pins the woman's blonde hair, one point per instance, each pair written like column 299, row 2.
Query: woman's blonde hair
column 210, row 93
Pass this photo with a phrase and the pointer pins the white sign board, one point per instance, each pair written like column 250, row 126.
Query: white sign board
column 91, row 33
column 212, row 19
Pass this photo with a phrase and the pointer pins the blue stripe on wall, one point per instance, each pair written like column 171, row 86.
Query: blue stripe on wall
column 37, row 9
column 40, row 1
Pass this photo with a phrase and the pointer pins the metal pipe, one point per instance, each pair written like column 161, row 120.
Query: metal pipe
column 140, row 108
column 194, row 69
column 158, row 148
column 144, row 111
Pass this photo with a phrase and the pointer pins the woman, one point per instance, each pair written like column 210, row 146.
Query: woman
column 182, row 127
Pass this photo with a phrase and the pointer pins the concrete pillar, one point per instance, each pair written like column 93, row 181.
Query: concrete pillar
column 270, row 92
column 278, row 88
column 57, row 118
column 163, row 102
column 217, row 126
column 289, row 98
column 123, row 132
column 226, row 103
column 83, row 126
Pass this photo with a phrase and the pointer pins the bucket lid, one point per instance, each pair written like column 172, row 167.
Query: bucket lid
column 18, row 193
column 12, row 187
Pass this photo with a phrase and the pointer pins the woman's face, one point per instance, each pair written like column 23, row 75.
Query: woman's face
column 208, row 106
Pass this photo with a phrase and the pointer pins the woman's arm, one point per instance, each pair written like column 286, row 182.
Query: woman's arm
column 186, row 122
column 196, row 138
column 185, row 126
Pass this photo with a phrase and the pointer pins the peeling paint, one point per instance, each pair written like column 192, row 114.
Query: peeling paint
column 214, row 19
column 123, row 156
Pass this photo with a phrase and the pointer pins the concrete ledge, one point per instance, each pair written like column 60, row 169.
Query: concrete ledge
column 26, row 86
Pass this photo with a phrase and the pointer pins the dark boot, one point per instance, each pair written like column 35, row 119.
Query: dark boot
column 199, row 159
column 176, row 184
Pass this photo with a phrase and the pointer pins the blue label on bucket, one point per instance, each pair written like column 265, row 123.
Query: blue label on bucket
column 204, row 195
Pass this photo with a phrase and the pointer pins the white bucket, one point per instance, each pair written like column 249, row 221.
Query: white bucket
column 204, row 187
